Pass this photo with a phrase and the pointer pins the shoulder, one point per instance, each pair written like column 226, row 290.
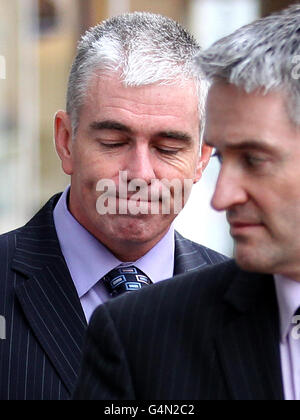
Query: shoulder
column 8, row 241
column 41, row 221
column 185, row 247
column 212, row 280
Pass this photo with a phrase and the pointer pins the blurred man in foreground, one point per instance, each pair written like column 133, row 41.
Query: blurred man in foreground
column 131, row 142
column 231, row 331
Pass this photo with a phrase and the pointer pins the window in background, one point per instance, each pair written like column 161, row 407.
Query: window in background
column 48, row 16
column 19, row 113
column 212, row 19
column 116, row 7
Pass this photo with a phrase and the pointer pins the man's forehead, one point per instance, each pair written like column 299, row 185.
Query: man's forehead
column 235, row 115
column 225, row 97
column 100, row 79
column 107, row 95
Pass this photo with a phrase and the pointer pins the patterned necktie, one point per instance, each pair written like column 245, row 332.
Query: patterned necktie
column 125, row 279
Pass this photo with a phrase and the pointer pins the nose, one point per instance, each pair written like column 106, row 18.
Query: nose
column 139, row 164
column 230, row 190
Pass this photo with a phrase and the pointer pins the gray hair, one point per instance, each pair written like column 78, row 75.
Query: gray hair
column 143, row 49
column 262, row 55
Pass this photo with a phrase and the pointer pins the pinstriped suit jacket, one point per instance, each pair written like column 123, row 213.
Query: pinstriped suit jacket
column 206, row 335
column 45, row 323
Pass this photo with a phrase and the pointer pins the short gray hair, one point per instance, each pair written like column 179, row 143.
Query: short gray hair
column 260, row 56
column 143, row 48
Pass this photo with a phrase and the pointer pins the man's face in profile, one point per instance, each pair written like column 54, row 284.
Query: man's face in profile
column 148, row 133
column 258, row 184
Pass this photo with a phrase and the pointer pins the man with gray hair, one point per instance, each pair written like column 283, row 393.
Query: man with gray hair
column 130, row 141
column 231, row 331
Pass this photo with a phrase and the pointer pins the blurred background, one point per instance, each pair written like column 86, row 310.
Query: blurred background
column 38, row 39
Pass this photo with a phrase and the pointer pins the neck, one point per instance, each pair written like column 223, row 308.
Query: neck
column 132, row 256
column 130, row 251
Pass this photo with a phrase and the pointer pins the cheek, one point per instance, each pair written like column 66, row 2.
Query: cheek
column 181, row 167
column 89, row 168
column 277, row 209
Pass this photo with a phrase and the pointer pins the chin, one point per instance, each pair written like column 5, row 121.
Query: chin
column 139, row 229
column 250, row 266
column 253, row 260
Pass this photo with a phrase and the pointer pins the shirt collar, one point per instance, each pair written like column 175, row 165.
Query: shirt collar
column 288, row 295
column 89, row 260
column 158, row 263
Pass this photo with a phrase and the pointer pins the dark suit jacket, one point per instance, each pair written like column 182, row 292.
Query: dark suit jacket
column 45, row 323
column 209, row 335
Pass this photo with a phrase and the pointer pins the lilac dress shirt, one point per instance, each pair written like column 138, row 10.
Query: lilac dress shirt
column 88, row 260
column 288, row 295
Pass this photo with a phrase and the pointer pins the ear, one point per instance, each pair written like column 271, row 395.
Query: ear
column 63, row 140
column 203, row 161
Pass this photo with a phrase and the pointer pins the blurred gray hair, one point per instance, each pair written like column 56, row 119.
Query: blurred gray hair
column 143, row 48
column 262, row 55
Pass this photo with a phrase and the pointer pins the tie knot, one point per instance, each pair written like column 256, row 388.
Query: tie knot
column 125, row 279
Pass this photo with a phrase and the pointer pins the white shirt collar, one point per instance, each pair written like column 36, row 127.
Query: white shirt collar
column 288, row 295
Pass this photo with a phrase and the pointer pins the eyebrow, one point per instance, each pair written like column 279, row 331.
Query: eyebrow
column 115, row 125
column 109, row 125
column 246, row 145
column 176, row 135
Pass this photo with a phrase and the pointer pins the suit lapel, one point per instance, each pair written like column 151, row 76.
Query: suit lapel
column 187, row 256
column 248, row 343
column 47, row 294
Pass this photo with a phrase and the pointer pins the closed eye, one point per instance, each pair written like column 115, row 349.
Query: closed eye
column 169, row 152
column 253, row 161
column 112, row 145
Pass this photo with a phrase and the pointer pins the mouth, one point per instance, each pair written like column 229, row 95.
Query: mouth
column 133, row 198
column 243, row 228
